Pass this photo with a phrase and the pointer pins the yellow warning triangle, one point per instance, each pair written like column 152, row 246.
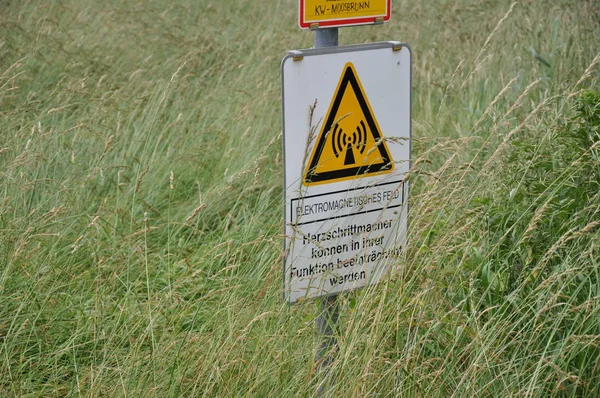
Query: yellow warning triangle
column 350, row 144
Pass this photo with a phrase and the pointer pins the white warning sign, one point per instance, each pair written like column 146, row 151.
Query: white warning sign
column 346, row 159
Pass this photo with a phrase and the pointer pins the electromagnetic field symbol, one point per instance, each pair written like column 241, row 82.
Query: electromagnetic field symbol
column 350, row 144
column 357, row 140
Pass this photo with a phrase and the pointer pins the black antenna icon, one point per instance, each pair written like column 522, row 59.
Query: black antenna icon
column 341, row 140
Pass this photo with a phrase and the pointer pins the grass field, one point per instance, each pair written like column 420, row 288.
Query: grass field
column 141, row 205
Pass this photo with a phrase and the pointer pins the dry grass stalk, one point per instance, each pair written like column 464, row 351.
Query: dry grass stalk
column 449, row 86
column 571, row 234
column 140, row 179
column 196, row 211
column 494, row 102
column 535, row 220
column 586, row 74
column 513, row 132
column 474, row 66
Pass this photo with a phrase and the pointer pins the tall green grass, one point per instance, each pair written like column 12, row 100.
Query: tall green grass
column 141, row 200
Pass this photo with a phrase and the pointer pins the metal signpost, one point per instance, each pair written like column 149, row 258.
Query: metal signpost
column 328, row 305
column 346, row 122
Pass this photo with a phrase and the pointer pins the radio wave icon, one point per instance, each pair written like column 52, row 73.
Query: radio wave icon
column 341, row 141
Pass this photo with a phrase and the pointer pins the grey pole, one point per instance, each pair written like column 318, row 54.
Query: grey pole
column 326, row 37
column 328, row 306
column 326, row 324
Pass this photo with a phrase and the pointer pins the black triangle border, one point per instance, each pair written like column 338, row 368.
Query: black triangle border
column 310, row 178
